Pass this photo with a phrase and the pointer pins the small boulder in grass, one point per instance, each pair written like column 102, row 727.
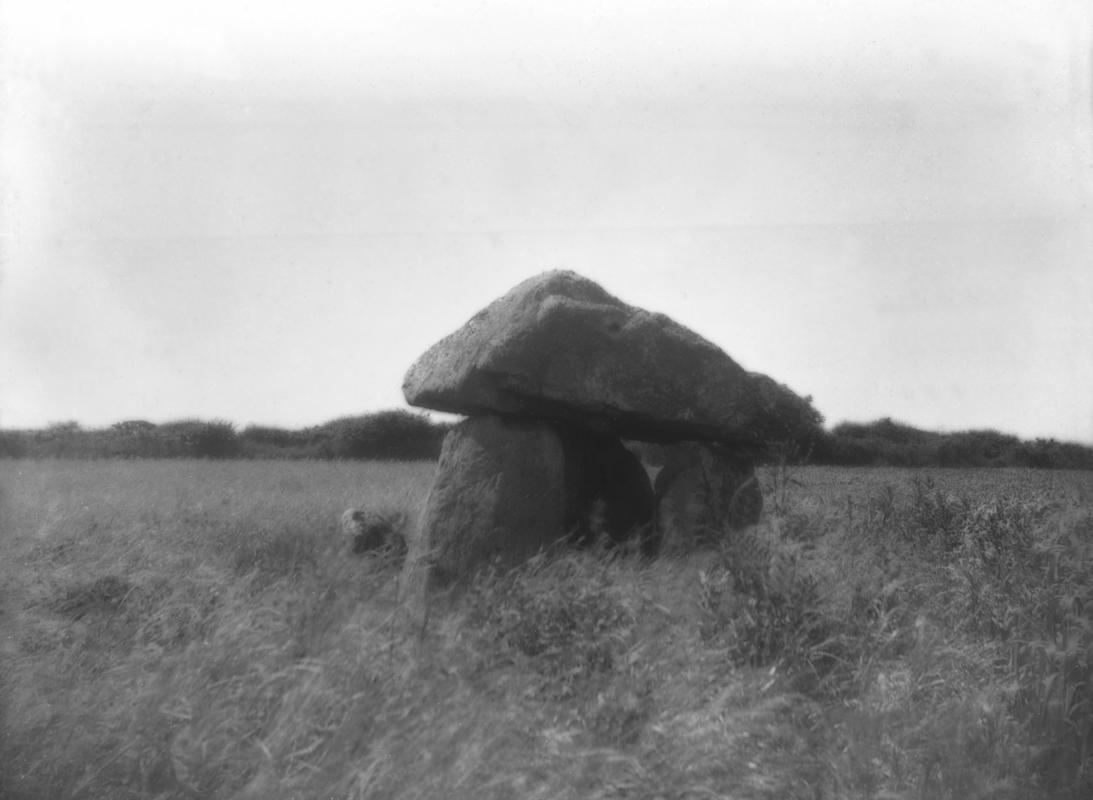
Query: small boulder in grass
column 370, row 531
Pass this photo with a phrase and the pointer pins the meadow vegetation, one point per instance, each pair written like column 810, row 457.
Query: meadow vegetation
column 789, row 431
column 397, row 435
column 195, row 629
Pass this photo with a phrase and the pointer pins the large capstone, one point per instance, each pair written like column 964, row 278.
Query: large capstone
column 558, row 347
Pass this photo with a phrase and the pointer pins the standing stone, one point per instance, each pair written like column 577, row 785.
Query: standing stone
column 499, row 493
column 505, row 489
column 705, row 492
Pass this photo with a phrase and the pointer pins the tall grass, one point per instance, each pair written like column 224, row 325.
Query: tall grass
column 196, row 629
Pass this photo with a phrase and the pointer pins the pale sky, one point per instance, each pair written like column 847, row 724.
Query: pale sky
column 264, row 212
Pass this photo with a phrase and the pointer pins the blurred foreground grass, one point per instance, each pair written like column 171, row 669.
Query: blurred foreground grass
column 196, row 630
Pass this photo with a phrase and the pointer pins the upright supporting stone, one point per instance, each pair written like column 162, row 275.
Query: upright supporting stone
column 499, row 493
column 705, row 492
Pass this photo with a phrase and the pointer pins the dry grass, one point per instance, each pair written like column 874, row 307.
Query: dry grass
column 195, row 630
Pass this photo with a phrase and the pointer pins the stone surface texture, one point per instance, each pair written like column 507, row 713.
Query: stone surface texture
column 553, row 375
column 705, row 492
column 559, row 347
column 499, row 492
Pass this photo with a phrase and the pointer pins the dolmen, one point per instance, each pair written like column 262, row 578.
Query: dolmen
column 553, row 377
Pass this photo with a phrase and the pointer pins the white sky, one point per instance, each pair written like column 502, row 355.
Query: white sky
column 265, row 212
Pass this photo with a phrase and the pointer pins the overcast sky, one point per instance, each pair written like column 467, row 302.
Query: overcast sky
column 264, row 212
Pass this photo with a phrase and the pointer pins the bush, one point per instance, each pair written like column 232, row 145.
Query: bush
column 1050, row 454
column 387, row 435
column 977, row 449
column 13, row 444
column 889, row 443
column 275, row 437
column 197, row 439
column 789, row 426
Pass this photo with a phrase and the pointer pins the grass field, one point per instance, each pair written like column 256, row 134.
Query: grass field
column 196, row 630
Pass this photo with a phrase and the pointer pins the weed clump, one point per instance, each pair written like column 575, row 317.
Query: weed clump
column 104, row 594
column 762, row 604
column 563, row 615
